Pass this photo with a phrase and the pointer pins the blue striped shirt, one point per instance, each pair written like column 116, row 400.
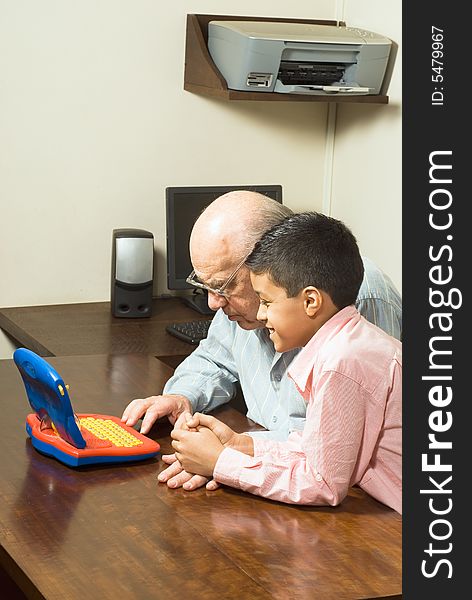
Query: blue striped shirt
column 229, row 354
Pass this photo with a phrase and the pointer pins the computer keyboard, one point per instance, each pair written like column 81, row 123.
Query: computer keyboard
column 191, row 332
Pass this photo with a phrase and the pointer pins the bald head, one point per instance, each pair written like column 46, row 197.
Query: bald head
column 230, row 226
column 223, row 235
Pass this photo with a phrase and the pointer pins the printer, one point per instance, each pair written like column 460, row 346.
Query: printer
column 298, row 58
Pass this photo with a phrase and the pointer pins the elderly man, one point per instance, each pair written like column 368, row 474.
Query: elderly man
column 237, row 348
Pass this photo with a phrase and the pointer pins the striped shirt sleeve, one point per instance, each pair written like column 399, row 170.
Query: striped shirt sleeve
column 208, row 376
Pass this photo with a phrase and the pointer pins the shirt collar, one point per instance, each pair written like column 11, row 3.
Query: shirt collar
column 302, row 366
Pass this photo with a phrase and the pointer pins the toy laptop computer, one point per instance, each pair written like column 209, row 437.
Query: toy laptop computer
column 74, row 439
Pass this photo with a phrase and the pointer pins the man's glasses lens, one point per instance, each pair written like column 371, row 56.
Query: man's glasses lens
column 221, row 291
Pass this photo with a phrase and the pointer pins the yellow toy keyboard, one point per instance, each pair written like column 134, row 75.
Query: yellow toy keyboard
column 102, row 432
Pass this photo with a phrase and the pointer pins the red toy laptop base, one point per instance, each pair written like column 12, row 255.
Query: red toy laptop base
column 108, row 440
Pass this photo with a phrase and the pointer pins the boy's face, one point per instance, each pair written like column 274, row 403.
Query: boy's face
column 285, row 318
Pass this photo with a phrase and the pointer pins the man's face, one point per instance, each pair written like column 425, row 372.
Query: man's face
column 240, row 302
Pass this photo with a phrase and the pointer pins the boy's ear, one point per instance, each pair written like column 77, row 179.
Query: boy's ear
column 312, row 300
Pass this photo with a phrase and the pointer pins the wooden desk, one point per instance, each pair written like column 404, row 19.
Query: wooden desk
column 114, row 532
column 72, row 329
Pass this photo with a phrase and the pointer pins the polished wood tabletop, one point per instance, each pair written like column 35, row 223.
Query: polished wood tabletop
column 111, row 532
column 90, row 328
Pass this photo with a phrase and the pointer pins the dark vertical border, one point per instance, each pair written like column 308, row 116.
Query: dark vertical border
column 437, row 264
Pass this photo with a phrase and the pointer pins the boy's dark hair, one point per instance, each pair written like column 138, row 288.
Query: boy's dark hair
column 311, row 249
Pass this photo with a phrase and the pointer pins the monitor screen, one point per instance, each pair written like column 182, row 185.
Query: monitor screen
column 183, row 206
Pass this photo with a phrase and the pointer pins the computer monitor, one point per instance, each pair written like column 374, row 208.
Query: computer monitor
column 183, row 206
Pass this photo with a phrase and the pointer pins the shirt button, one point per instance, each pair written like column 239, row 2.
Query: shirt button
column 274, row 419
column 318, row 477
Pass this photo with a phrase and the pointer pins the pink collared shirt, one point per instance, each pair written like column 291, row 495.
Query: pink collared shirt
column 350, row 376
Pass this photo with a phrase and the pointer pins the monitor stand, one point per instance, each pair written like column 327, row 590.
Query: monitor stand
column 199, row 302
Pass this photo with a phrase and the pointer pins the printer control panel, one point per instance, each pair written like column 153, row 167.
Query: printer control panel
column 362, row 32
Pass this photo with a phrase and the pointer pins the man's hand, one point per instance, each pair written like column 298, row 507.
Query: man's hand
column 154, row 408
column 175, row 476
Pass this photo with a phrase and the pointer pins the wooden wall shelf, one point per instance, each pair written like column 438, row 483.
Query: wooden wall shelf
column 202, row 77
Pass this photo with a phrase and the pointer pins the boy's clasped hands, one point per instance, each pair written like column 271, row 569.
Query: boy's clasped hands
column 200, row 440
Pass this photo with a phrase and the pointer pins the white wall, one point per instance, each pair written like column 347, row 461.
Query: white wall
column 95, row 124
column 367, row 168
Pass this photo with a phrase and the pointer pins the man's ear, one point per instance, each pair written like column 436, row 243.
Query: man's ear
column 312, row 300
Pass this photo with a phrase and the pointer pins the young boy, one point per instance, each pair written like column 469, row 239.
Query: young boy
column 307, row 272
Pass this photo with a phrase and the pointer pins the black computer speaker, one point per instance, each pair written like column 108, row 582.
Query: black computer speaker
column 132, row 264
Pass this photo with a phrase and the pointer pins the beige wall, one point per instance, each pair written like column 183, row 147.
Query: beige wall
column 367, row 169
column 95, row 124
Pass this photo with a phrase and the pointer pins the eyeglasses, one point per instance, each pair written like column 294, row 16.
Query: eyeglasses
column 192, row 279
